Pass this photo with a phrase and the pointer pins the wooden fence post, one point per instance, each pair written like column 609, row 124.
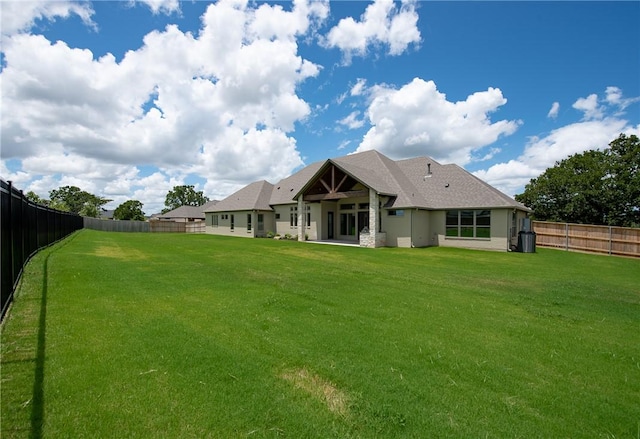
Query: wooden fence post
column 610, row 241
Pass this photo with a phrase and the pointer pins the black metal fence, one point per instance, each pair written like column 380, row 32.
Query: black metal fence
column 26, row 228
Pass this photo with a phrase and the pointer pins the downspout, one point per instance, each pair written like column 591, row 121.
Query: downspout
column 411, row 229
column 509, row 227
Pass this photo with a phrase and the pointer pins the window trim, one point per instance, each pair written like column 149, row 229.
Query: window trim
column 462, row 224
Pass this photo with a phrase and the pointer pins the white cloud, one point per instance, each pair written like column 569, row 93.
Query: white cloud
column 220, row 105
column 489, row 155
column 417, row 120
column 613, row 95
column 351, row 121
column 601, row 125
column 161, row 6
column 590, row 107
column 381, row 24
column 508, row 177
column 20, row 16
column 553, row 112
column 359, row 88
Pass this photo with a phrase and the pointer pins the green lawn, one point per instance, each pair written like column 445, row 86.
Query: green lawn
column 172, row 335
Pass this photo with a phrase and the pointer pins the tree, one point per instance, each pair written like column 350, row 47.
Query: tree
column 75, row 200
column 35, row 198
column 623, row 182
column 129, row 210
column 184, row 195
column 594, row 187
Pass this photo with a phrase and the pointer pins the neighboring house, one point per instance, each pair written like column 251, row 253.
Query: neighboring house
column 371, row 200
column 184, row 214
column 106, row 214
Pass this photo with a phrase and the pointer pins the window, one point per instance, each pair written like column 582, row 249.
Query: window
column 232, row 223
column 214, row 220
column 468, row 223
column 260, row 222
column 249, row 222
column 347, row 224
column 396, row 212
column 347, row 206
column 277, row 216
column 293, row 216
column 483, row 224
column 308, row 215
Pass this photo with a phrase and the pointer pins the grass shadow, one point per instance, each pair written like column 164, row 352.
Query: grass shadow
column 37, row 408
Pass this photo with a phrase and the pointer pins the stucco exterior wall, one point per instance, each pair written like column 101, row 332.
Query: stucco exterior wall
column 397, row 228
column 411, row 229
column 282, row 223
column 269, row 224
column 313, row 230
column 420, row 227
column 240, row 222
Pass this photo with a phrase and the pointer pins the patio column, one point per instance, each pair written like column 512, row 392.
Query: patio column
column 301, row 217
column 373, row 213
column 376, row 238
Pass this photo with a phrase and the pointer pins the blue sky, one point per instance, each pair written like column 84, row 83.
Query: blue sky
column 128, row 99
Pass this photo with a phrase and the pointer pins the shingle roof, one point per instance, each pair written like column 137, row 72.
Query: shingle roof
column 187, row 211
column 209, row 204
column 286, row 189
column 184, row 212
column 252, row 197
column 450, row 186
column 406, row 181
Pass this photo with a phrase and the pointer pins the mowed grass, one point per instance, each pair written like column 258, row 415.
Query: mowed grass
column 173, row 336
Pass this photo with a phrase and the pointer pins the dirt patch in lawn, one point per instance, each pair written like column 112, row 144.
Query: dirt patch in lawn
column 319, row 388
column 117, row 252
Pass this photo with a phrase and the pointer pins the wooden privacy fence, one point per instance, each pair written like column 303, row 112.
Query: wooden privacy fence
column 177, row 227
column 116, row 225
column 144, row 226
column 621, row 241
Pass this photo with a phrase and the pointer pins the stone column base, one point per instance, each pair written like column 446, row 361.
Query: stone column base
column 373, row 240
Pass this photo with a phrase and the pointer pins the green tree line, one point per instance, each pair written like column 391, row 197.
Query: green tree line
column 75, row 200
column 593, row 187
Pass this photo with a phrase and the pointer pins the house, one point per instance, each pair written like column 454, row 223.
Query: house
column 371, row 200
column 106, row 214
column 185, row 214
